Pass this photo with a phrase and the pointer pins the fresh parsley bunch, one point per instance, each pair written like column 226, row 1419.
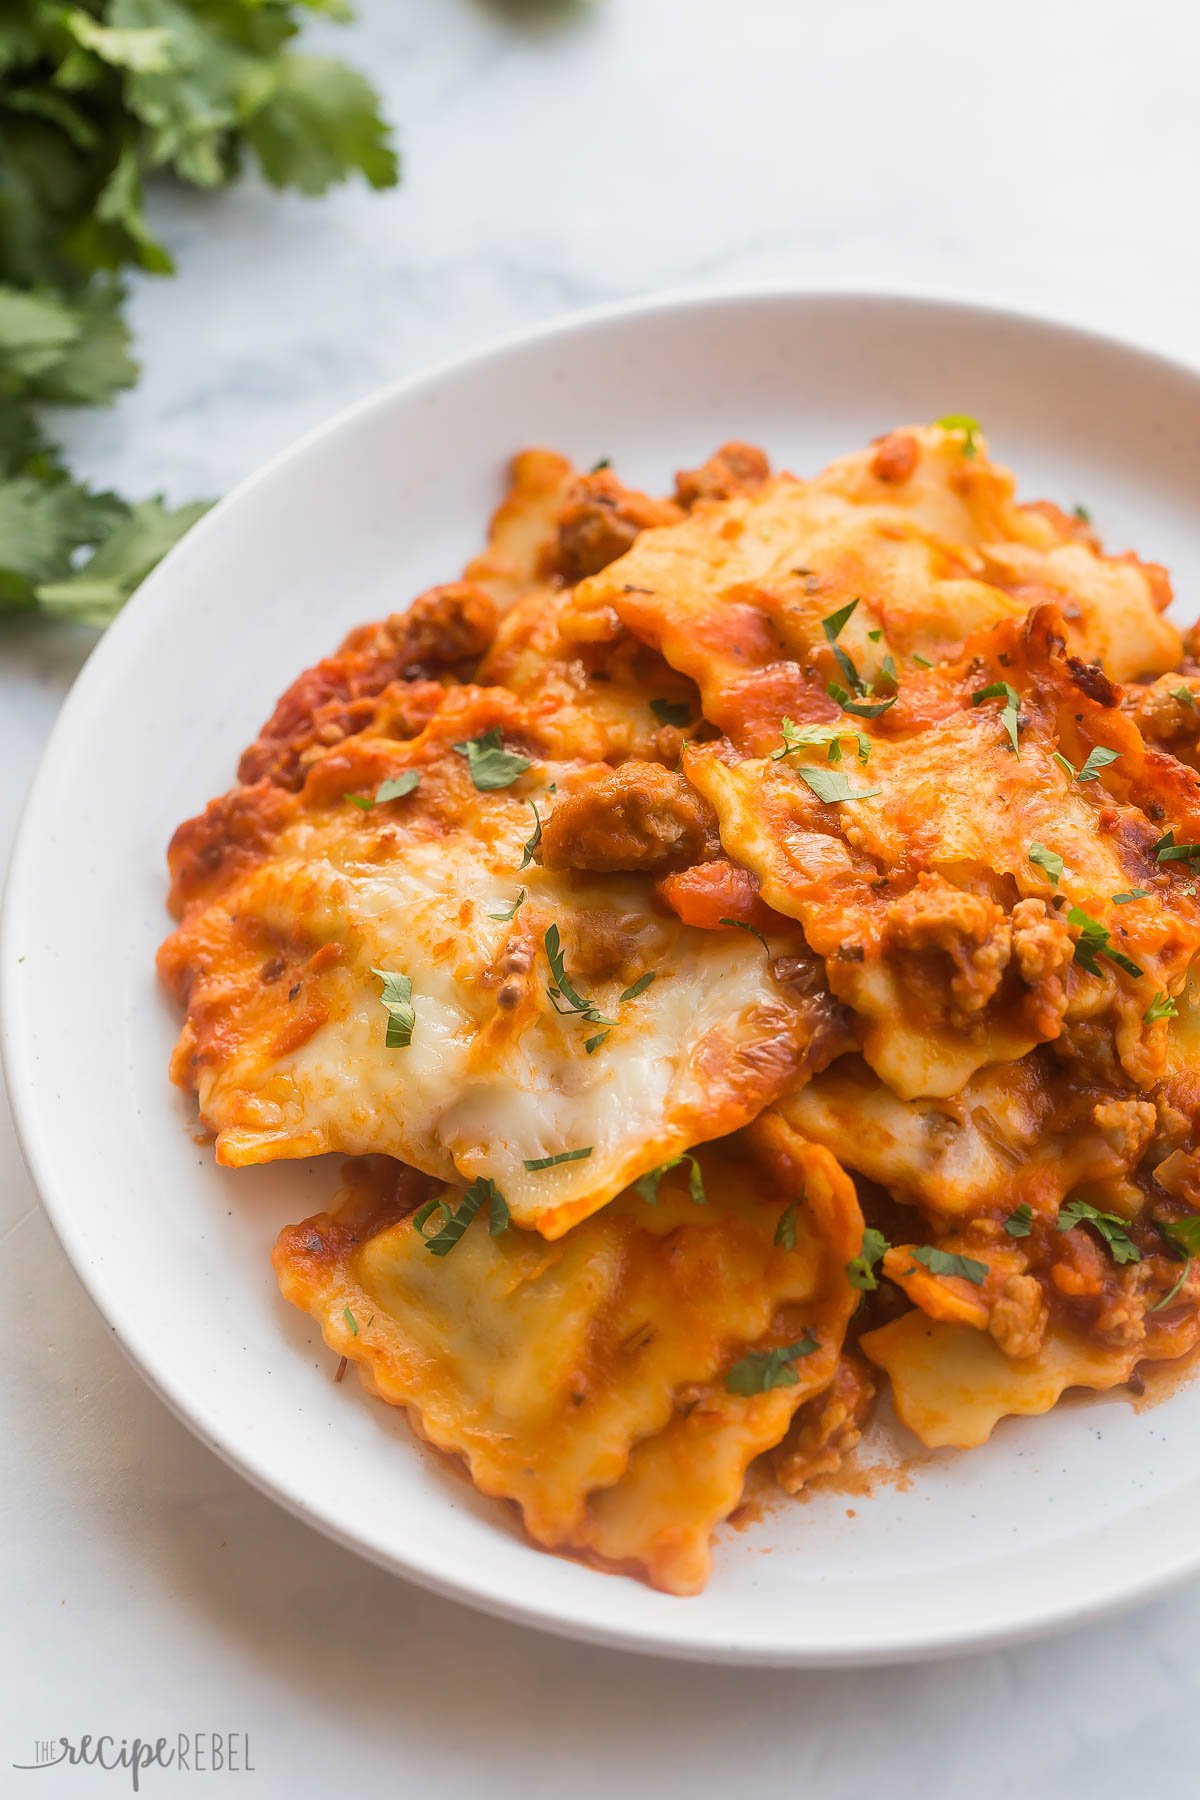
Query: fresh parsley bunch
column 94, row 98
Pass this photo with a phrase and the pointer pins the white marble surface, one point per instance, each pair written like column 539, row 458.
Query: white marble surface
column 1044, row 155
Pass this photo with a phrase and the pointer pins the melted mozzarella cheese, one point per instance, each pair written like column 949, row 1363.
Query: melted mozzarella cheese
column 286, row 1035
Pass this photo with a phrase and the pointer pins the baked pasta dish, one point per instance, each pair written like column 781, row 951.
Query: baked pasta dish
column 744, row 942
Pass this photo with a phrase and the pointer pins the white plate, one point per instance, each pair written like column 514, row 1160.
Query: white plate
column 1058, row 1518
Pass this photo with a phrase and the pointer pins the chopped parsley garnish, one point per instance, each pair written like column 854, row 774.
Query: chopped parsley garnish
column 604, row 462
column 860, row 1272
column 426, row 1212
column 647, row 1185
column 394, row 788
column 1010, row 714
column 1097, row 759
column 490, row 764
column 351, row 1321
column 922, row 662
column 833, row 627
column 481, row 1191
column 1167, row 850
column 1082, row 514
column 1093, row 941
column 1184, row 1233
column 1110, row 1226
column 949, row 1262
column 564, row 1156
column 531, row 844
column 1161, row 1007
column 1174, row 1287
column 397, row 1000
column 1184, row 695
column 594, row 1043
column 760, row 1370
column 1020, row 1222
column 741, row 925
column 513, row 910
column 862, row 709
column 1048, row 860
column 1184, row 1236
column 876, row 634
column 832, row 787
column 969, row 427
column 803, row 737
column 672, row 712
column 640, row 985
column 1133, row 894
column 563, row 990
column 785, row 1231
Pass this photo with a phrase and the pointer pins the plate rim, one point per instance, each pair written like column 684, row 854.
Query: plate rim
column 1055, row 1613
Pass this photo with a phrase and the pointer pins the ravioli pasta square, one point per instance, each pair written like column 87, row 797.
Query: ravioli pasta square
column 588, row 1380
column 746, row 938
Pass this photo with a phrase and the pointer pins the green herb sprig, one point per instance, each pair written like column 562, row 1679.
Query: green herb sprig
column 94, row 100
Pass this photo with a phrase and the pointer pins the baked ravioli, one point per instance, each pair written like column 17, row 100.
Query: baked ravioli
column 745, row 940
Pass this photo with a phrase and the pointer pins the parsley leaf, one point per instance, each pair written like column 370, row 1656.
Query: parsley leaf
column 949, row 1262
column 514, row 909
column 1010, row 714
column 491, row 765
column 1048, row 860
column 1093, row 941
column 672, row 712
column 969, row 427
column 801, row 737
column 394, row 788
column 1020, row 1222
column 1167, row 850
column 741, row 925
column 860, row 1272
column 1184, row 695
column 832, row 627
column 922, row 662
column 351, row 1321
column 1097, row 759
column 1082, row 514
column 1110, row 1226
column 482, row 1191
column 785, row 1231
column 94, row 97
column 1174, row 1287
column 593, row 1043
column 531, row 844
column 1184, row 1233
column 562, row 990
column 1161, row 1007
column 564, row 1156
column 862, row 709
column 760, row 1370
column 647, row 1185
column 639, row 986
column 1133, row 894
column 424, row 1213
column 397, row 999
column 831, row 787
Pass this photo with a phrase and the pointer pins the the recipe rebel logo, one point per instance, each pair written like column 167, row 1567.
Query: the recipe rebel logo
column 196, row 1753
